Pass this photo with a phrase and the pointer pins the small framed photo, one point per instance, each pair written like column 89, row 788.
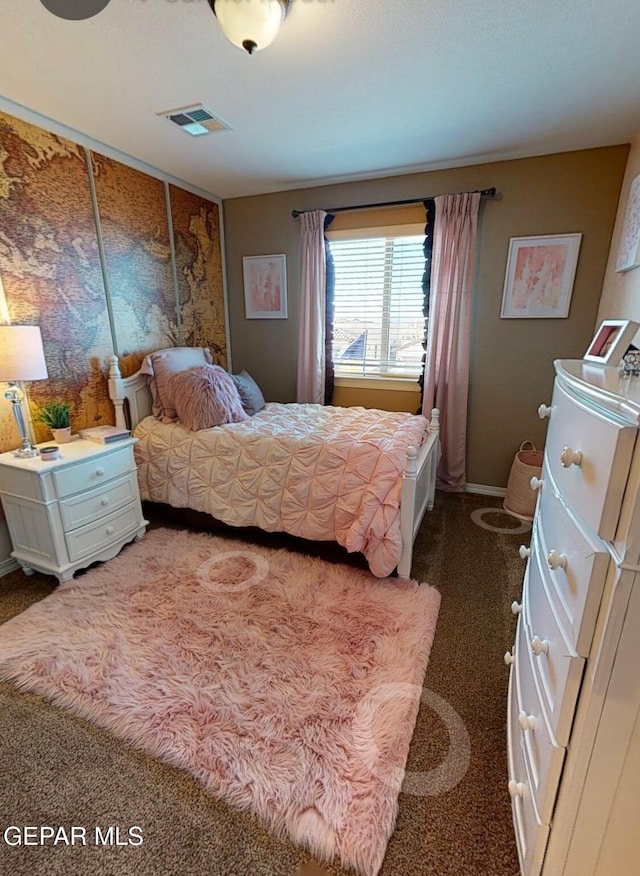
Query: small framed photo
column 539, row 279
column 265, row 286
column 611, row 341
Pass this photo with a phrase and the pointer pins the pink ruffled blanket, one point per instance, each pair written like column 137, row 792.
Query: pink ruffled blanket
column 321, row 473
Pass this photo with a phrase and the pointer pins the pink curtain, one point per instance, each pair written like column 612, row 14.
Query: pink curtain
column 446, row 380
column 311, row 329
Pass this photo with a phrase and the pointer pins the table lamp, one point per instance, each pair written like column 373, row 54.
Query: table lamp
column 21, row 358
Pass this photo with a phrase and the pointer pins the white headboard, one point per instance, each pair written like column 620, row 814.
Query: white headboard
column 131, row 396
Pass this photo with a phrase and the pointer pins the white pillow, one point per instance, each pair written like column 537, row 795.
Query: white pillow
column 160, row 366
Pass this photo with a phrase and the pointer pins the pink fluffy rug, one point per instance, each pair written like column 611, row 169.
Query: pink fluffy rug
column 287, row 685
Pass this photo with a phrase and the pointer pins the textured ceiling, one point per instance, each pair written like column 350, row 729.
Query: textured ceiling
column 350, row 89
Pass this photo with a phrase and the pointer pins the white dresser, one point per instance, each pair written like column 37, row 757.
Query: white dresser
column 67, row 513
column 574, row 687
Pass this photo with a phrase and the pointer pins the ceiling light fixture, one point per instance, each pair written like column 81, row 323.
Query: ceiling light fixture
column 250, row 24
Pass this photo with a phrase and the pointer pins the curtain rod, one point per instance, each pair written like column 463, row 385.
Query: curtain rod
column 485, row 193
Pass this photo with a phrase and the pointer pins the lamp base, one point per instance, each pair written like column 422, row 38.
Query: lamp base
column 15, row 395
column 26, row 452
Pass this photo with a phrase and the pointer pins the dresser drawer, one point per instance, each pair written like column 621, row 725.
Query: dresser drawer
column 556, row 665
column 96, row 536
column 531, row 834
column 95, row 504
column 577, row 564
column 543, row 756
column 595, row 482
column 85, row 475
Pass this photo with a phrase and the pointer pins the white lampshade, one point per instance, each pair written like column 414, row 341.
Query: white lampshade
column 250, row 24
column 21, row 353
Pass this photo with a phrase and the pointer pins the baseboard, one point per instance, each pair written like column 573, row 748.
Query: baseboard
column 8, row 565
column 484, row 490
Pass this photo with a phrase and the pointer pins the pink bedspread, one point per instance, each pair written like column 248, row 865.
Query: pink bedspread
column 322, row 473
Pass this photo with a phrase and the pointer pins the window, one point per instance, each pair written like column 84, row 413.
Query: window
column 378, row 322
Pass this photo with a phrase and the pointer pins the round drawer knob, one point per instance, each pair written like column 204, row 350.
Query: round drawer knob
column 516, row 789
column 509, row 658
column 535, row 483
column 110, row 530
column 539, row 646
column 556, row 560
column 544, row 411
column 569, row 456
column 516, row 607
column 100, row 472
column 526, row 722
column 524, row 551
column 105, row 502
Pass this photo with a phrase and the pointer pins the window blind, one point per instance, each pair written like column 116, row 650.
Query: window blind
column 378, row 322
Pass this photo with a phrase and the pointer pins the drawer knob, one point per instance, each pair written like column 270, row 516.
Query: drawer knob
column 516, row 789
column 544, row 411
column 110, row 530
column 105, row 501
column 100, row 472
column 535, row 483
column 524, row 551
column 509, row 658
column 539, row 646
column 556, row 560
column 527, row 722
column 569, row 456
column 516, row 607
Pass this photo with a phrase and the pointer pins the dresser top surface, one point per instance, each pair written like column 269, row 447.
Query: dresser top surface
column 605, row 385
column 77, row 450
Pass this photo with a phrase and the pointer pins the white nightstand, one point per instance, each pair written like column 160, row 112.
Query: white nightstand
column 67, row 513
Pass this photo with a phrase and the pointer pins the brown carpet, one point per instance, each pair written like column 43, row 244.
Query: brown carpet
column 58, row 770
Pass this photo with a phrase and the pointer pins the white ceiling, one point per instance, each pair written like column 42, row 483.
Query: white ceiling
column 350, row 89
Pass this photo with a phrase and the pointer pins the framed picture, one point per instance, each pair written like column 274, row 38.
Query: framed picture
column 611, row 341
column 265, row 286
column 629, row 252
column 539, row 278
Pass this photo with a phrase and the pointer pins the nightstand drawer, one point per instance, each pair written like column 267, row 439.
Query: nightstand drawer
column 576, row 565
column 589, row 455
column 557, row 667
column 92, row 538
column 531, row 834
column 95, row 504
column 77, row 478
column 543, row 756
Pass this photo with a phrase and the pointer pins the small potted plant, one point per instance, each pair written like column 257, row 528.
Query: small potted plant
column 55, row 415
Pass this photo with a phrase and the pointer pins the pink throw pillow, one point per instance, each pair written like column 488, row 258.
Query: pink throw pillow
column 206, row 396
column 161, row 366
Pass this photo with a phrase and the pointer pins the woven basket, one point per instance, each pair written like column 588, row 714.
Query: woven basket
column 521, row 499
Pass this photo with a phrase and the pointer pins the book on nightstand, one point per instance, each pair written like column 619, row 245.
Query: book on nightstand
column 104, row 434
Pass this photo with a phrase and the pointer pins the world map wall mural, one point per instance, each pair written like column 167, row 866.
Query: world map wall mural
column 132, row 300
column 135, row 235
column 50, row 268
column 196, row 232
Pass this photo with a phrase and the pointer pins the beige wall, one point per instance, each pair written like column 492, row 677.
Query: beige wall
column 621, row 292
column 511, row 365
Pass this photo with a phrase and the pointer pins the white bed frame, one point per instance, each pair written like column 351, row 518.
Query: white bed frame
column 132, row 400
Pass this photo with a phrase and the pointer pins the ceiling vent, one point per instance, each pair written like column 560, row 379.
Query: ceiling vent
column 195, row 120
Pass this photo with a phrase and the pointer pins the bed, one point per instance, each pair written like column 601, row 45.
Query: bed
column 362, row 478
